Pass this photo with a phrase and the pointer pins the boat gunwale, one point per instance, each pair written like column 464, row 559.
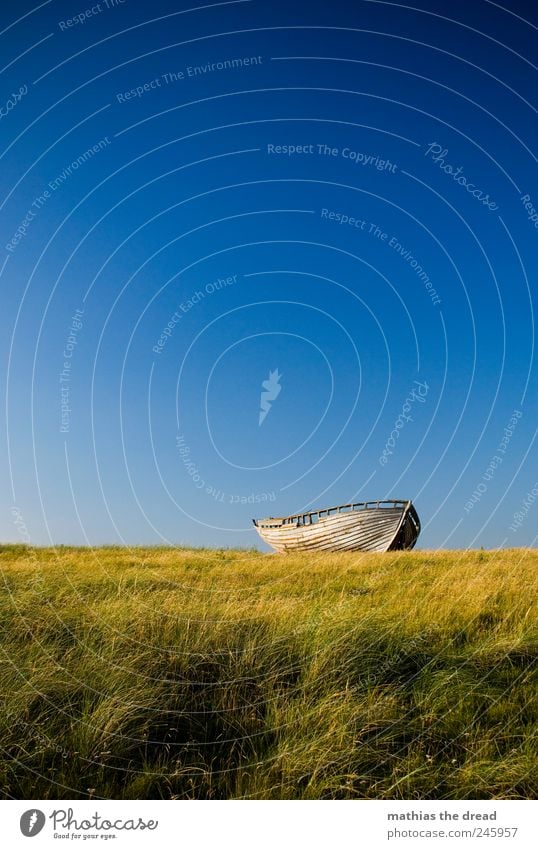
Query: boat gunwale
column 357, row 506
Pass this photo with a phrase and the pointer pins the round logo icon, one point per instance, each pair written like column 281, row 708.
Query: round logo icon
column 32, row 822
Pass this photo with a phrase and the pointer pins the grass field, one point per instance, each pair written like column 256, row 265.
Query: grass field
column 164, row 673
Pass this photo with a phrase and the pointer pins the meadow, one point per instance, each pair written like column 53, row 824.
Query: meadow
column 226, row 674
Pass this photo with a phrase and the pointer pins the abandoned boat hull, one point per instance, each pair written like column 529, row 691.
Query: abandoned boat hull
column 364, row 526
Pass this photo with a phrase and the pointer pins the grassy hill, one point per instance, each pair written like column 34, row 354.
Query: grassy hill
column 149, row 673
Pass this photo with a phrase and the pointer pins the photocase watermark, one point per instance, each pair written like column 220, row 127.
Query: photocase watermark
column 358, row 157
column 532, row 212
column 66, row 373
column 495, row 462
column 96, row 825
column 38, row 737
column 20, row 524
column 392, row 665
column 418, row 395
column 53, row 185
column 413, row 263
column 438, row 155
column 32, row 822
column 188, row 72
column 80, row 160
column 13, row 101
column 270, row 392
column 65, row 819
column 370, row 228
column 24, row 536
column 212, row 491
column 521, row 515
column 186, row 306
column 91, row 12
column 343, row 219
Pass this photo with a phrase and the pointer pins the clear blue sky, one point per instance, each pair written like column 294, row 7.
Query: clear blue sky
column 343, row 193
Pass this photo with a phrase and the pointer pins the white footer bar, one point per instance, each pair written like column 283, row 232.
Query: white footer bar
column 259, row 824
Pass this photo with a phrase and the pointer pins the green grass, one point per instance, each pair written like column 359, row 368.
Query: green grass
column 196, row 673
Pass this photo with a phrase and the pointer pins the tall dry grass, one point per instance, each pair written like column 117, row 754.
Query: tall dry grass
column 149, row 673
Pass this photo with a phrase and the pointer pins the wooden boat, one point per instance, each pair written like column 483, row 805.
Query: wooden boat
column 364, row 526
